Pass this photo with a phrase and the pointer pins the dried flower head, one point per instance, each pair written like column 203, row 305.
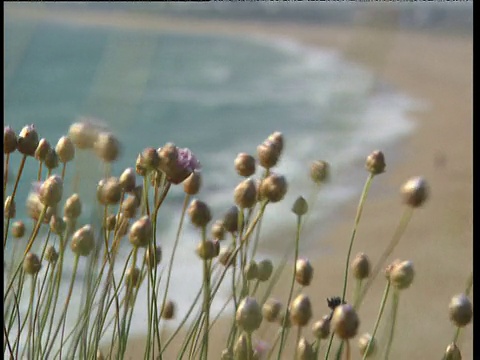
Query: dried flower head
column 42, row 150
column 301, row 310
column 83, row 134
column 51, row 191
column 177, row 163
column 132, row 277
column 345, row 321
column 31, row 264
column 249, row 314
column 10, row 208
column 460, row 310
column 321, row 328
column 109, row 192
column 360, row 266
column 129, row 206
column 207, row 250
column 51, row 159
column 73, row 207
column 65, row 149
column 27, row 140
column 268, row 154
column 230, row 220
column 273, row 188
column 57, row 225
column 241, row 349
column 110, row 222
column 51, row 255
column 107, row 147
column 251, row 270
column 127, row 180
column 320, row 171
column 149, row 159
column 271, row 310
column 168, row 310
column 375, row 163
column 264, row 270
column 300, row 206
column 364, row 347
column 305, row 350
column 83, row 241
column 141, row 232
column 415, row 192
column 226, row 257
column 218, row 230
column 18, row 229
column 192, row 183
column 35, row 206
column 245, row 165
column 452, row 352
column 9, row 140
column 303, row 272
column 402, row 274
column 199, row 213
column 153, row 257
column 245, row 194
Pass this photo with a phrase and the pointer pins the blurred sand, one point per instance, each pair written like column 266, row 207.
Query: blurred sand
column 436, row 69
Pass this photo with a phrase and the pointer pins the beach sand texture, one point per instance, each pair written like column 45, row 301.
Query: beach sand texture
column 433, row 68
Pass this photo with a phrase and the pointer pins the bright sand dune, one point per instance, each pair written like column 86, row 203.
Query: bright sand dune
column 437, row 70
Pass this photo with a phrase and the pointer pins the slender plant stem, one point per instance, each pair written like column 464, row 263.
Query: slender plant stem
column 394, row 312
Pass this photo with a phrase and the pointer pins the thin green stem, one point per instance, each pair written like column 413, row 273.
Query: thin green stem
column 394, row 312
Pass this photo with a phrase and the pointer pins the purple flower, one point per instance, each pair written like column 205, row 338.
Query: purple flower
column 186, row 160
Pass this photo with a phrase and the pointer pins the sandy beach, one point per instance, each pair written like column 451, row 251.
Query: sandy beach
column 436, row 70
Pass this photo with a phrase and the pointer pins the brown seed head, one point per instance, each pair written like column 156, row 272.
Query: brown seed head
column 27, row 140
column 127, row 180
column 51, row 254
column 199, row 213
column 149, row 159
column 73, row 207
column 153, row 258
column 42, row 150
column 249, row 314
column 300, row 206
column 218, row 230
column 230, row 220
column 245, row 194
column 415, row 192
column 363, row 345
column 375, row 163
column 251, row 270
column 107, row 147
column 240, row 349
column 140, row 169
column 402, row 274
column 320, row 171
column 65, row 149
column 83, row 241
column 51, row 159
column 301, row 310
column 452, row 352
column 303, row 272
column 273, row 188
column 83, row 134
column 268, row 154
column 360, row 266
column 9, row 140
column 141, row 232
column 271, row 310
column 129, row 206
column 18, row 229
column 321, row 328
column 51, row 191
column 122, row 225
column 132, row 277
column 110, row 222
column 109, row 192
column 305, row 350
column 460, row 310
column 10, row 208
column 245, row 165
column 192, row 183
column 207, row 250
column 168, row 310
column 31, row 264
column 57, row 225
column 345, row 321
column 277, row 139
column 264, row 270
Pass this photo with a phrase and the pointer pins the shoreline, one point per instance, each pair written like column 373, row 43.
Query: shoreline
column 439, row 237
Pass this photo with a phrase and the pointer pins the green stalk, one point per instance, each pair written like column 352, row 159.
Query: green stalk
column 394, row 312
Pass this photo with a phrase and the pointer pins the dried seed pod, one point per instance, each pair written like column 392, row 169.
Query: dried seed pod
column 110, row 222
column 249, row 314
column 415, row 192
column 375, row 163
column 364, row 347
column 452, row 352
column 57, row 225
column 240, row 349
column 402, row 274
column 127, row 180
column 301, row 310
column 218, row 230
column 83, row 134
column 129, row 207
column 51, row 254
column 245, row 194
column 305, row 350
column 51, row 191
column 251, row 270
column 300, row 206
column 192, row 183
column 51, row 160
column 303, row 272
column 321, row 328
column 320, row 171
column 268, row 153
column 31, row 264
column 132, row 277
column 153, row 258
column 141, row 232
column 10, row 208
column 122, row 225
column 109, row 192
column 277, row 138
column 345, row 321
column 264, row 270
column 42, row 150
column 460, row 310
column 199, row 213
column 273, row 188
column 226, row 258
column 9, row 140
column 18, row 229
column 245, row 165
column 360, row 266
column 149, row 159
column 65, row 149
column 27, row 140
column 73, row 207
column 168, row 310
column 107, row 147
column 271, row 310
column 206, row 250
column 83, row 241
column 230, row 220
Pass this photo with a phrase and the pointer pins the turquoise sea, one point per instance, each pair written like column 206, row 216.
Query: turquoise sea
column 216, row 95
